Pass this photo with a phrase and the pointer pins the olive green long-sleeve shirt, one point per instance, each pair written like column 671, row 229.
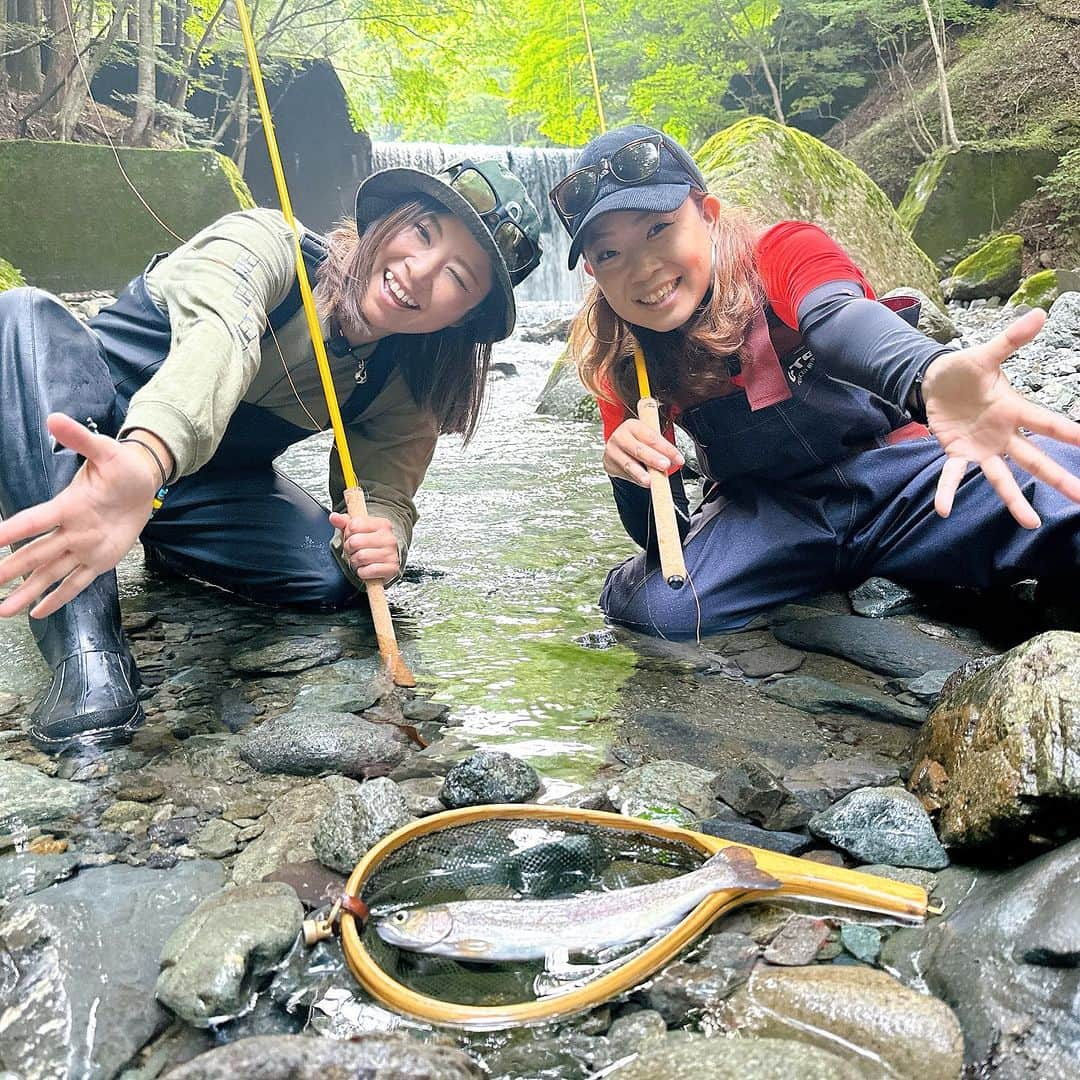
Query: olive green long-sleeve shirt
column 216, row 291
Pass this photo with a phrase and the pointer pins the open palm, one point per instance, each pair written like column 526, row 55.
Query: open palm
column 978, row 417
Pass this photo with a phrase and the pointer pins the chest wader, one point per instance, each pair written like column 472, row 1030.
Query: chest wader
column 51, row 362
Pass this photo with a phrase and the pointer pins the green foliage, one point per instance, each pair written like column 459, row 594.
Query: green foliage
column 10, row 278
column 1063, row 186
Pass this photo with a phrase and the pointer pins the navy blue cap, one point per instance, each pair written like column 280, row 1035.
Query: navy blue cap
column 664, row 191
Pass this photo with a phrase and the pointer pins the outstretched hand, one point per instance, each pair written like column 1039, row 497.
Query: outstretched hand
column 977, row 416
column 83, row 531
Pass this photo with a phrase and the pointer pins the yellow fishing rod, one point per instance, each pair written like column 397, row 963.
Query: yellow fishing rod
column 354, row 496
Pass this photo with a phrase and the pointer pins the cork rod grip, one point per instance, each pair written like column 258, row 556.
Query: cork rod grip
column 672, row 565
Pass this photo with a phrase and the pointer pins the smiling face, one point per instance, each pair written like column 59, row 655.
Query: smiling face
column 426, row 277
column 653, row 269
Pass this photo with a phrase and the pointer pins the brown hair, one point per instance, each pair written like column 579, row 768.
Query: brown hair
column 685, row 365
column 446, row 371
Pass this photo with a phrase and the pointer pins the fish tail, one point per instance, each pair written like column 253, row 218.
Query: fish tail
column 737, row 868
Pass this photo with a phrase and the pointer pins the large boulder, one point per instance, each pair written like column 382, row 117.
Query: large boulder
column 1043, row 288
column 781, row 173
column 100, row 235
column 1005, row 747
column 993, row 270
column 954, row 197
column 564, row 395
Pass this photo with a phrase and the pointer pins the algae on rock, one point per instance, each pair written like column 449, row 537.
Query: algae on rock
column 993, row 270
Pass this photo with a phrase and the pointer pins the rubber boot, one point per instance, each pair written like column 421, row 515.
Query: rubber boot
column 50, row 362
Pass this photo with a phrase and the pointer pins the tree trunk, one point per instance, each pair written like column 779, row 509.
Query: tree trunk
column 75, row 93
column 61, row 55
column 145, row 89
column 3, row 46
column 948, row 127
column 25, row 67
column 243, row 129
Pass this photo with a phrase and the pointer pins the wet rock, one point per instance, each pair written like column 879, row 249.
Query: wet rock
column 357, row 818
column 926, row 687
column 422, row 795
column 127, row 817
column 299, row 1057
column 798, row 942
column 568, row 1054
column 755, row 788
column 314, row 884
column 423, row 710
column 1005, row 959
column 176, row 830
column 290, row 826
column 266, row 1018
column 630, row 1033
column 878, row 597
column 878, row 644
column 287, row 657
column 1007, row 742
column 489, row 776
column 886, row 825
column 693, row 986
column 140, row 790
column 684, row 1056
column 856, row 1012
column 555, row 330
column 352, row 697
column 908, row 874
column 213, row 963
column 9, row 703
column 663, row 783
column 306, row 744
column 787, row 843
column 216, row 839
column 770, row 660
column 22, row 873
column 823, row 783
column 814, row 695
column 234, row 712
column 29, row 798
column 862, row 941
column 86, row 951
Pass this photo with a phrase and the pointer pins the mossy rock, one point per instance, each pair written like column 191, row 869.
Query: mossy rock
column 956, row 196
column 10, row 278
column 1043, row 288
column 993, row 270
column 781, row 173
column 71, row 222
column 564, row 395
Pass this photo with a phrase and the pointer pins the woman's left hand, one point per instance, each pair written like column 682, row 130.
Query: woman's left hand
column 977, row 416
column 370, row 546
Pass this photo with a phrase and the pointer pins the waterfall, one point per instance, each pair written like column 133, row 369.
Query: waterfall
column 538, row 169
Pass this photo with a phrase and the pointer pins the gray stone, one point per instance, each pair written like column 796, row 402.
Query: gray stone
column 216, row 839
column 856, row 1012
column 878, row 597
column 664, row 783
column 23, row 873
column 299, row 1057
column 423, row 710
column 28, row 797
column 359, row 816
column 553, row 330
column 630, row 1033
column 755, row 788
column 8, row 703
column 886, row 825
column 799, row 941
column 128, row 817
column 770, row 660
column 86, row 951
column 338, row 697
column 213, row 963
column 422, row 795
column 681, row 1055
column 1004, row 959
column 926, row 687
column 814, row 695
column 306, row 744
column 695, row 985
column 287, row 657
column 1006, row 746
column 862, row 941
column 288, row 836
column 489, row 776
column 823, row 783
column 908, row 874
column 934, row 321
column 787, row 843
column 878, row 644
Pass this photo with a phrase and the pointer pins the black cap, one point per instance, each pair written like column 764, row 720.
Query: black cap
column 664, row 191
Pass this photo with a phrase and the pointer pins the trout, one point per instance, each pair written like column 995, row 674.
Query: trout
column 501, row 930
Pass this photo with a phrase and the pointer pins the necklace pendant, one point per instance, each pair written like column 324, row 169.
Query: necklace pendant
column 361, row 370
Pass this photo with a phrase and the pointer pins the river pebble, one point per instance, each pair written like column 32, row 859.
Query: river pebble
column 489, row 776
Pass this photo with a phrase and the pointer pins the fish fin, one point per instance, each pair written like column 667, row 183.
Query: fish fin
column 473, row 947
column 742, row 869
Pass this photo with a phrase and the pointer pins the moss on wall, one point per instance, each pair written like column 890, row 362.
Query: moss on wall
column 10, row 278
column 71, row 221
column 779, row 172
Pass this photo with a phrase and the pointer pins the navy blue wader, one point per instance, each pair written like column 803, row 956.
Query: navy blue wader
column 237, row 523
column 809, row 494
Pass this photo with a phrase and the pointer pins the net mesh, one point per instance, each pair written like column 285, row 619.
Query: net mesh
column 505, row 859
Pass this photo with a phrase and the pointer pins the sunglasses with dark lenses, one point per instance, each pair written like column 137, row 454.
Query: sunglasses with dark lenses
column 512, row 242
column 630, row 164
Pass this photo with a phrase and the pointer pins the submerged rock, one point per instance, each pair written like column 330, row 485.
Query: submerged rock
column 28, row 797
column 663, row 783
column 489, row 776
column 814, row 695
column 300, row 1057
column 212, row 964
column 358, row 817
column 287, row 657
column 306, row 744
column 1007, row 960
column 24, row 873
column 1007, row 746
column 86, row 953
column 856, row 1012
column 886, row 825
